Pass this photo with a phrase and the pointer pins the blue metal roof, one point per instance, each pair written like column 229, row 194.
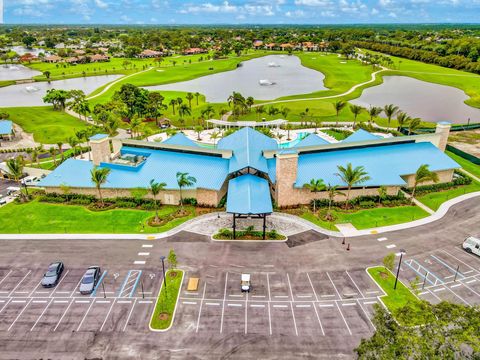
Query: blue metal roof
column 160, row 165
column 6, row 127
column 272, row 169
column 180, row 139
column 360, row 135
column 247, row 145
column 249, row 194
column 312, row 140
column 384, row 164
column 98, row 137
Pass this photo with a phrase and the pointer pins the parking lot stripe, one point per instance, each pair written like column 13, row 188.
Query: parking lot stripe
column 18, row 316
column 302, row 305
column 313, row 289
column 129, row 315
column 143, row 254
column 372, row 292
column 223, row 304
column 470, row 281
column 258, row 296
column 189, row 303
column 464, row 263
column 63, row 277
column 382, row 239
column 447, row 266
column 469, row 288
column 145, row 302
column 329, row 278
column 370, row 302
column 76, row 287
column 343, row 317
column 108, row 314
column 328, row 295
column 147, row 246
column 6, row 275
column 246, row 312
column 458, row 296
column 391, row 246
column 280, row 296
column 257, row 305
column 236, row 305
column 304, row 296
column 60, row 301
column 269, row 318
column 439, row 289
column 212, row 304
column 4, row 306
column 63, row 315
column 39, row 301
column 124, row 302
column 103, row 301
column 15, row 288
column 354, row 283
column 280, row 306
column 269, row 295
column 456, row 285
column 201, row 305
column 19, row 301
column 318, row 318
column 431, row 292
column 289, row 287
column 85, row 315
column 348, row 304
column 235, row 295
column 41, row 292
column 139, row 262
column 62, row 292
column 43, row 312
column 82, row 301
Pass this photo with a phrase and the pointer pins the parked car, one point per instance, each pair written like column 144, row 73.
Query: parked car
column 245, row 283
column 3, row 201
column 472, row 245
column 30, row 180
column 12, row 190
column 53, row 274
column 90, row 280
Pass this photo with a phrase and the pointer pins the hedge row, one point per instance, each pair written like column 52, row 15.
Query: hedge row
column 460, row 179
column 366, row 201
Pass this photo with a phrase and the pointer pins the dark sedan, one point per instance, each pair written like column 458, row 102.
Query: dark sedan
column 53, row 274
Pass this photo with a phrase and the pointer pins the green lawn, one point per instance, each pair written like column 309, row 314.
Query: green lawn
column 167, row 301
column 435, row 199
column 336, row 134
column 467, row 165
column 47, row 125
column 370, row 218
column 43, row 218
column 399, row 299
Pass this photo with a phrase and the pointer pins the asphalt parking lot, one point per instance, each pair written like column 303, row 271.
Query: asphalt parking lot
column 449, row 274
column 338, row 303
column 4, row 184
column 122, row 301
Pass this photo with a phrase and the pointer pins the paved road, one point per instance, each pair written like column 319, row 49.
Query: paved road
column 289, row 278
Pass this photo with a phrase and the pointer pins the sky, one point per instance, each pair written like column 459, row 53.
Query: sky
column 240, row 12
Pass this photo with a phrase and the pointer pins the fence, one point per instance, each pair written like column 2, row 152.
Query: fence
column 463, row 154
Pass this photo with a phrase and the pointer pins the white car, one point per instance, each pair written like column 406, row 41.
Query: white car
column 245, row 283
column 472, row 245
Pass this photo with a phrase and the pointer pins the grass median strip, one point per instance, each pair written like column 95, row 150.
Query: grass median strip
column 167, row 301
column 405, row 307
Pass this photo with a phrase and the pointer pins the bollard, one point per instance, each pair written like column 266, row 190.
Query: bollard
column 424, row 279
column 343, row 241
column 348, row 247
column 456, row 273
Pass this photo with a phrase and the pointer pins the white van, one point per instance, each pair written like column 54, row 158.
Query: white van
column 245, row 283
column 472, row 245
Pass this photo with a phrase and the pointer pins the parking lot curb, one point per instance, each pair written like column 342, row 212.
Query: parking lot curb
column 250, row 241
column 174, row 310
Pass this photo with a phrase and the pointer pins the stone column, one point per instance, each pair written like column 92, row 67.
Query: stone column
column 100, row 147
column 443, row 129
column 286, row 175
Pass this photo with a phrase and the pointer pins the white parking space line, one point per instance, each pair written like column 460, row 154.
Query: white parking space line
column 63, row 315
column 18, row 316
column 41, row 315
column 5, row 277
column 328, row 295
column 19, row 301
column 281, row 296
column 139, row 262
column 325, row 305
column 469, row 288
column 189, row 303
column 236, row 305
column 124, row 302
column 458, row 296
column 350, row 294
column 470, row 281
column 212, row 304
column 343, row 317
column 464, row 263
column 15, row 288
column 235, row 295
column 456, row 285
column 391, row 246
column 76, row 287
column 329, row 278
column 318, row 318
column 103, row 301
column 280, row 306
column 258, row 296
column 147, row 246
column 143, row 254
column 268, row 287
column 257, row 305
column 269, row 318
column 468, row 272
column 145, row 302
column 314, row 292
column 369, row 302
column 302, row 305
column 201, row 304
column 367, row 315
column 63, row 277
column 223, row 303
column 291, row 304
column 85, row 316
column 82, row 301
column 246, row 312
column 348, row 304
column 108, row 314
column 129, row 315
column 304, row 296
column 4, row 306
column 382, row 239
column 439, row 289
column 60, row 301
column 431, row 292
column 354, row 283
column 372, row 292
column 34, row 289
column 39, row 301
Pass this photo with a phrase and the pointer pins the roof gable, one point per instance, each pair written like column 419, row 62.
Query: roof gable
column 361, row 135
column 312, row 140
column 180, row 139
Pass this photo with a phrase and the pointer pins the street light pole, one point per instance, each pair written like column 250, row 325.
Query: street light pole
column 164, row 277
column 402, row 251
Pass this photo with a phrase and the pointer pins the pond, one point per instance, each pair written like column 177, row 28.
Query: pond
column 31, row 94
column 428, row 101
column 264, row 78
column 16, row 72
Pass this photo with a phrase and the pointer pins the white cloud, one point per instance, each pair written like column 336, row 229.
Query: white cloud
column 321, row 3
column 374, row 11
column 101, row 4
column 259, row 8
column 295, row 14
column 392, row 15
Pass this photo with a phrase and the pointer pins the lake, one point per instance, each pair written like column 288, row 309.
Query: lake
column 281, row 75
column 428, row 101
column 16, row 72
column 31, row 94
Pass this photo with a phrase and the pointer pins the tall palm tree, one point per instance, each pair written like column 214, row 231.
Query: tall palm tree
column 284, row 112
column 189, row 98
column 389, row 111
column 259, row 110
column 99, row 177
column 289, row 127
column 214, row 136
column 198, row 129
column 422, row 175
column 172, row 103
column 60, row 144
column 402, row 119
column 134, row 126
column 315, row 185
column 15, row 171
column 374, row 111
column 208, row 112
column 249, row 101
column 197, row 95
column 34, row 156
column 73, row 142
column 339, row 106
column 351, row 177
column 356, row 110
column 414, row 125
column 332, row 192
column 183, row 110
column 184, row 180
column 53, row 153
column 155, row 188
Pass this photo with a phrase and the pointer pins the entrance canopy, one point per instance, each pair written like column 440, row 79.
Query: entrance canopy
column 249, row 195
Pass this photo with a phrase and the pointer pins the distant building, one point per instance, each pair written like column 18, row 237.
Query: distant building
column 257, row 44
column 150, row 54
column 53, row 59
column 99, row 58
column 193, row 51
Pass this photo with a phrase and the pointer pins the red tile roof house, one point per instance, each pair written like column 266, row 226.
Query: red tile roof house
column 53, row 59
column 28, row 57
column 270, row 46
column 150, row 54
column 257, row 44
column 193, row 51
column 99, row 58
column 309, row 46
column 286, row 46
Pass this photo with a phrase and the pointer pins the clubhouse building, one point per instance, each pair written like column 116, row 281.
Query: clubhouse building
column 251, row 169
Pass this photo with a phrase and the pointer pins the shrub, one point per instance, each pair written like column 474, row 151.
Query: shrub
column 190, row 201
column 459, row 179
column 225, row 233
column 367, row 204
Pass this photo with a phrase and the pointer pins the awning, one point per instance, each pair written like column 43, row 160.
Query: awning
column 249, row 194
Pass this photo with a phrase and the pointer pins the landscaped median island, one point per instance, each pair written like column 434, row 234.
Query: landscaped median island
column 248, row 233
column 164, row 312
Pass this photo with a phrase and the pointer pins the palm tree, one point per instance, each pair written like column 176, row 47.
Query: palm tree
column 183, row 180
column 332, row 192
column 198, row 129
column 208, row 112
column 356, row 110
column 189, row 98
column 15, row 168
column 53, row 153
column 339, row 105
column 197, row 95
column 259, row 110
column 249, row 102
column 34, row 156
column 172, row 103
column 389, row 111
column 414, row 125
column 402, row 119
column 373, row 112
column 60, row 144
column 351, row 177
column 155, row 188
column 422, row 175
column 289, row 127
column 134, row 126
column 99, row 177
column 285, row 112
column 214, row 136
column 73, row 142
column 315, row 185
column 184, row 110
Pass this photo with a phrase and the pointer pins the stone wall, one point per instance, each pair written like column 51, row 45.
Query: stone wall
column 100, row 151
column 286, row 175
